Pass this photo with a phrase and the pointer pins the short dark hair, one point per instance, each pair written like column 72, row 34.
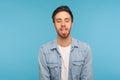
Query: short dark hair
column 62, row 8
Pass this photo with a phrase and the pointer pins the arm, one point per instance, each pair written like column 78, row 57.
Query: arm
column 87, row 72
column 43, row 69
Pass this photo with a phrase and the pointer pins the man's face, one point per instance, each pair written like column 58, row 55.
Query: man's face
column 63, row 24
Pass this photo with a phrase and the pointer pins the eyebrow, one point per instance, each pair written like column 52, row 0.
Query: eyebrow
column 60, row 18
column 67, row 18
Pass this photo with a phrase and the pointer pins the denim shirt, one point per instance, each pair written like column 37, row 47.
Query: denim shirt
column 80, row 63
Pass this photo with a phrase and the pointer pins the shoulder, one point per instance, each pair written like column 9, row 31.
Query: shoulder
column 48, row 45
column 80, row 43
column 83, row 47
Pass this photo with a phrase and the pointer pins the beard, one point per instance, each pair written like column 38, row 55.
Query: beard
column 64, row 36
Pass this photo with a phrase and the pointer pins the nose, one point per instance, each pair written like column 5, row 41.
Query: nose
column 63, row 24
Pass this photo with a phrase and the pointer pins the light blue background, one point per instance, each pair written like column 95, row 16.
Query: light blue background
column 26, row 24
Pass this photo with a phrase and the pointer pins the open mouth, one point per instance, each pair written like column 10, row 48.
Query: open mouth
column 63, row 31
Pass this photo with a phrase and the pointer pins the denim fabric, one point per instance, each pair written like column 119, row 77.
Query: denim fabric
column 80, row 64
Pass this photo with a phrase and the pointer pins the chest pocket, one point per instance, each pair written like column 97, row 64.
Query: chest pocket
column 76, row 69
column 52, row 60
column 53, row 69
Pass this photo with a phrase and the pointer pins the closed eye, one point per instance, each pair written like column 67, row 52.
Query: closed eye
column 58, row 20
column 67, row 19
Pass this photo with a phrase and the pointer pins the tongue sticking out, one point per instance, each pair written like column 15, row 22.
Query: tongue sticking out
column 64, row 31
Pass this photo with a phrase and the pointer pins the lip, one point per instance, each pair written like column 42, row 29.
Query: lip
column 63, row 31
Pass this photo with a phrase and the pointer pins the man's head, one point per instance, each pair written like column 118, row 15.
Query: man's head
column 62, row 8
column 62, row 19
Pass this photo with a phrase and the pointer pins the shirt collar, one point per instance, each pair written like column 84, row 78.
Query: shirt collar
column 55, row 44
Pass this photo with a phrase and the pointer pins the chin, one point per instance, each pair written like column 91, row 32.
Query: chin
column 64, row 36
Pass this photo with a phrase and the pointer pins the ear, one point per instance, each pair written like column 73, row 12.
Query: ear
column 54, row 24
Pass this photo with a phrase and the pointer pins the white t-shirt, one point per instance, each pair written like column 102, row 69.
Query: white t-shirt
column 65, row 53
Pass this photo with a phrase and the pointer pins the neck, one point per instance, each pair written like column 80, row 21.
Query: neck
column 64, row 42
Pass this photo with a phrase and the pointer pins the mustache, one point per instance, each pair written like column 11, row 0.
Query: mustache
column 63, row 28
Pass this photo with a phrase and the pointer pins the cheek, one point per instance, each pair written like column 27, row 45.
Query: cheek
column 57, row 26
column 69, row 26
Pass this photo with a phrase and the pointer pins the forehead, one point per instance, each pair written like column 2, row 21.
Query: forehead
column 62, row 14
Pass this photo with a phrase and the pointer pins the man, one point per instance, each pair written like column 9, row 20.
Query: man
column 65, row 58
